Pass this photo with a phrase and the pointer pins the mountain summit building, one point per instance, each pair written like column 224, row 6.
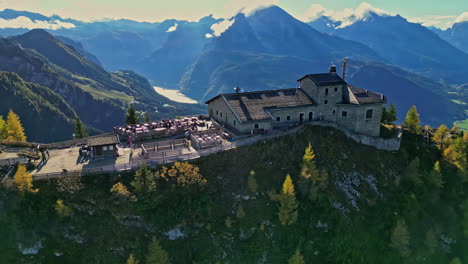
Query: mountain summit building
column 323, row 96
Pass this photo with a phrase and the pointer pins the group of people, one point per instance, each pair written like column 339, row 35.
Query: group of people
column 85, row 151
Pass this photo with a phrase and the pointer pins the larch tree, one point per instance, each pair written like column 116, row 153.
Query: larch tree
column 252, row 183
column 455, row 261
column 288, row 211
column 3, row 128
column 132, row 260
column 400, row 239
column 435, row 177
column 440, row 136
column 15, row 128
column 296, row 258
column 23, row 180
column 62, row 210
column 240, row 212
column 412, row 122
column 131, row 117
column 156, row 254
column 144, row 181
column 308, row 170
column 392, row 114
column 80, row 129
column 119, row 190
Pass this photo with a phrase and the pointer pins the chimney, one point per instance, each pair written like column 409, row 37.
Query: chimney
column 333, row 69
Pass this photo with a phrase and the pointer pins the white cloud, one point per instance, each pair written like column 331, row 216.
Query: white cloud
column 247, row 7
column 442, row 22
column 347, row 16
column 312, row 13
column 462, row 18
column 24, row 22
column 221, row 27
column 173, row 28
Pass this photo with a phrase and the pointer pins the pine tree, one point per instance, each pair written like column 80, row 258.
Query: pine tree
column 288, row 204
column 131, row 117
column 132, row 260
column 400, row 239
column 412, row 172
column 384, row 117
column 435, row 177
column 23, row 180
column 62, row 210
column 80, row 129
column 144, row 181
column 156, row 254
column 392, row 115
column 15, row 128
column 412, row 122
column 147, row 117
column 3, row 128
column 296, row 258
column 440, row 136
column 252, row 183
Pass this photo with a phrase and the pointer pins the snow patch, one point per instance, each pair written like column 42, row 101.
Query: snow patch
column 220, row 28
column 173, row 28
column 25, row 22
column 312, row 13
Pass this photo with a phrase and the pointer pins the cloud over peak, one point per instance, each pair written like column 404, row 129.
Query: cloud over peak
column 25, row 22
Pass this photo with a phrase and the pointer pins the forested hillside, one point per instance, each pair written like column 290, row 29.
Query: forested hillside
column 346, row 203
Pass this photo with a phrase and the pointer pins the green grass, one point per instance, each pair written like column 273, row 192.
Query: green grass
column 462, row 124
column 458, row 102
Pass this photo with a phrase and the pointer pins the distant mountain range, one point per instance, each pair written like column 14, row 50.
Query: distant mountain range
column 404, row 44
column 98, row 97
column 457, row 35
column 268, row 49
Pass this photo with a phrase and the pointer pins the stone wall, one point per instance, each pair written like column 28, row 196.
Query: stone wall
column 392, row 144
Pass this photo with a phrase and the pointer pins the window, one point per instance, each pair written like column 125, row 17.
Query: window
column 326, row 92
column 311, row 116
column 326, row 102
column 336, row 89
column 344, row 114
column 369, row 113
column 278, row 118
column 234, row 122
column 111, row 147
column 334, row 111
column 221, row 114
column 256, row 126
column 216, row 112
column 104, row 148
column 288, row 118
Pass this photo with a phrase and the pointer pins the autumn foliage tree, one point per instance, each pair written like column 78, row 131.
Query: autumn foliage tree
column 296, row 258
column 119, row 190
column 440, row 136
column 288, row 211
column 62, row 210
column 252, row 183
column 15, row 130
column 309, row 170
column 3, row 128
column 183, row 174
column 23, row 180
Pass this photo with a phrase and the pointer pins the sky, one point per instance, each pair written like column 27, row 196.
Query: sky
column 429, row 12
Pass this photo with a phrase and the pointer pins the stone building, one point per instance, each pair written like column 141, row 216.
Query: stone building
column 323, row 96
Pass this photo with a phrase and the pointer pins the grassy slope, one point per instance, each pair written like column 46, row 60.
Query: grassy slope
column 38, row 108
column 110, row 232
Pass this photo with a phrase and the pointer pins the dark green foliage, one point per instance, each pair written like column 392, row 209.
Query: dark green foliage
column 412, row 123
column 156, row 254
column 389, row 116
column 144, row 182
column 80, row 129
column 131, row 117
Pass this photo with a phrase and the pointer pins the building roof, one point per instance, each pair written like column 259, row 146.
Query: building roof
column 362, row 96
column 250, row 106
column 325, row 79
column 103, row 140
